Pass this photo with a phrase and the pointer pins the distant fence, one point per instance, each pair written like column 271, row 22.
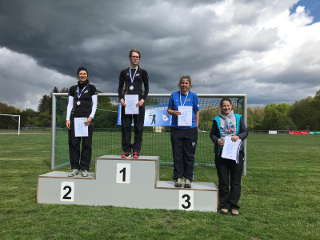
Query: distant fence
column 287, row 132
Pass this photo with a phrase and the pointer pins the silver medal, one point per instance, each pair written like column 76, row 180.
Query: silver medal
column 80, row 93
column 132, row 78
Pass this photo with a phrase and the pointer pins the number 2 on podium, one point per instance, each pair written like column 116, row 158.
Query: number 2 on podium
column 123, row 173
column 67, row 192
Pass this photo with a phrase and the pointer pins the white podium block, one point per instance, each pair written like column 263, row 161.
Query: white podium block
column 125, row 183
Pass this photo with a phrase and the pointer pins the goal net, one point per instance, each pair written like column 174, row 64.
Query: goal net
column 156, row 135
column 9, row 124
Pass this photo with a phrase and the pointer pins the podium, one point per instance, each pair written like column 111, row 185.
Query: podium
column 132, row 183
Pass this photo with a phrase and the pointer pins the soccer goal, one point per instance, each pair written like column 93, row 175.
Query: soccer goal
column 9, row 124
column 156, row 136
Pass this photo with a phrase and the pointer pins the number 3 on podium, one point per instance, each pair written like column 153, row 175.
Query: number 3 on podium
column 123, row 173
column 186, row 200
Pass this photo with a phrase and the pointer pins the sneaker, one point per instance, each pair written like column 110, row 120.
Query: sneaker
column 84, row 173
column 224, row 210
column 135, row 155
column 74, row 172
column 235, row 212
column 126, row 155
column 178, row 182
column 187, row 183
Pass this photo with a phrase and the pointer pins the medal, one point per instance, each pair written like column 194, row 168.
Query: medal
column 132, row 77
column 131, row 87
column 79, row 94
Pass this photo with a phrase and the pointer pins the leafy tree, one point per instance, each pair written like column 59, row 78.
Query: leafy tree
column 276, row 117
column 45, row 104
column 28, row 118
column 306, row 113
column 255, row 118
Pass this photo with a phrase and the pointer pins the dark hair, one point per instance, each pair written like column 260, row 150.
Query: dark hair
column 225, row 99
column 187, row 77
column 136, row 51
column 82, row 69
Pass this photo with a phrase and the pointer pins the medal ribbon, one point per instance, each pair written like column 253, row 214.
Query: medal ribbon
column 134, row 75
column 80, row 94
column 184, row 99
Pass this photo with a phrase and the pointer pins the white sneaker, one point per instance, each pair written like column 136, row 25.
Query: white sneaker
column 84, row 173
column 74, row 172
column 187, row 183
column 179, row 182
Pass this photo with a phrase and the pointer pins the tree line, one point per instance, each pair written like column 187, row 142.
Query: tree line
column 302, row 115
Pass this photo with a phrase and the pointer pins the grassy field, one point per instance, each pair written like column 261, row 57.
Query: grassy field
column 280, row 198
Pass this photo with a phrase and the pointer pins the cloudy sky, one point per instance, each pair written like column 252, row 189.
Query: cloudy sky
column 268, row 49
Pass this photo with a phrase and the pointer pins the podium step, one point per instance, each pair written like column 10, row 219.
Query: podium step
column 60, row 174
column 125, row 183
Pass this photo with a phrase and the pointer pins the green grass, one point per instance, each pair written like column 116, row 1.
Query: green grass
column 280, row 198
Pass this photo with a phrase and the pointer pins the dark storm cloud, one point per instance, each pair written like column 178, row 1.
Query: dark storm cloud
column 175, row 37
column 64, row 34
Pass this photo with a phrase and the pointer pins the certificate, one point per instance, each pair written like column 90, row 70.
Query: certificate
column 131, row 104
column 185, row 119
column 80, row 129
column 231, row 149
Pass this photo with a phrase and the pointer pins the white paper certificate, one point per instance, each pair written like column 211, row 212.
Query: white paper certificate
column 131, row 101
column 185, row 119
column 80, row 129
column 231, row 149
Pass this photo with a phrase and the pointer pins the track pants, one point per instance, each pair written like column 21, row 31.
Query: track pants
column 126, row 122
column 184, row 143
column 80, row 159
column 229, row 174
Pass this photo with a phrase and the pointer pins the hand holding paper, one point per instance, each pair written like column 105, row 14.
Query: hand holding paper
column 80, row 127
column 231, row 148
column 131, row 104
column 185, row 118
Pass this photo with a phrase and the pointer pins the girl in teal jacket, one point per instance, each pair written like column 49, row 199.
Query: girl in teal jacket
column 227, row 123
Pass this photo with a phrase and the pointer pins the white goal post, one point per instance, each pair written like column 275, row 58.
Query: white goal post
column 14, row 116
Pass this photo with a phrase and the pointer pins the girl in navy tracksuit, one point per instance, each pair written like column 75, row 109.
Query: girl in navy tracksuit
column 184, row 138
